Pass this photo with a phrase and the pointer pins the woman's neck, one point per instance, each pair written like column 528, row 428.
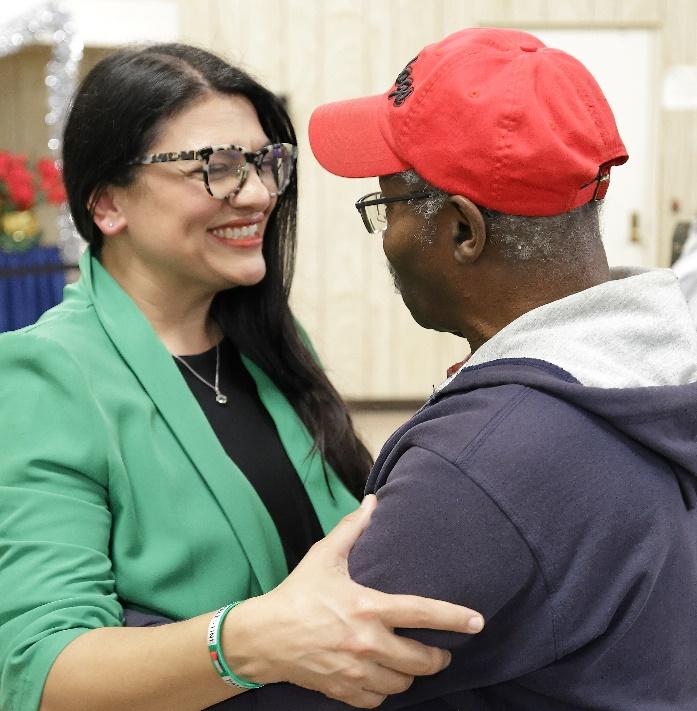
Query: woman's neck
column 180, row 316
column 184, row 329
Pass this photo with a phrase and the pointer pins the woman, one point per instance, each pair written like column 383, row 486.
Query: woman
column 173, row 366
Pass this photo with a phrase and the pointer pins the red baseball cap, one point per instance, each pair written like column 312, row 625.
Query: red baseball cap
column 491, row 114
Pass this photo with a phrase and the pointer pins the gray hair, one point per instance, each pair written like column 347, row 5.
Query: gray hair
column 560, row 239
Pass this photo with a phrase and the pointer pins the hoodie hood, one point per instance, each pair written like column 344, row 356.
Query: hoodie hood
column 630, row 332
column 624, row 351
column 660, row 418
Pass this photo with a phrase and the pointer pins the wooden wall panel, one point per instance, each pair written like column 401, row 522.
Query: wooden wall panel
column 455, row 15
column 305, row 77
column 378, row 302
column 342, row 276
column 22, row 127
column 678, row 134
column 322, row 50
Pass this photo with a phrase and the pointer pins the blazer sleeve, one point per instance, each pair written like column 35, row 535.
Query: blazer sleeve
column 56, row 576
column 435, row 533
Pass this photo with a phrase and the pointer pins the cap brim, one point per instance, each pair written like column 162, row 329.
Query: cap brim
column 347, row 139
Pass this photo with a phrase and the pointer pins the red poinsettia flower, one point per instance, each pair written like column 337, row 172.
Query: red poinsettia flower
column 22, row 184
column 22, row 194
column 5, row 163
column 19, row 182
column 51, row 181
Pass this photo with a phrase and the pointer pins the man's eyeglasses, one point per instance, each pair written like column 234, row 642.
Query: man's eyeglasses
column 372, row 209
column 225, row 168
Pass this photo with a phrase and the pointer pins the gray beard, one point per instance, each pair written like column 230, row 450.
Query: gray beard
column 395, row 278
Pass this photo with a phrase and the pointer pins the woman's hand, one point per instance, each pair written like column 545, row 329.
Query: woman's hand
column 320, row 630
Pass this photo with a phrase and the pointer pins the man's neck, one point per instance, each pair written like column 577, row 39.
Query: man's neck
column 516, row 298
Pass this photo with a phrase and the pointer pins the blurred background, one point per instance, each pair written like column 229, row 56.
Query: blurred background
column 642, row 52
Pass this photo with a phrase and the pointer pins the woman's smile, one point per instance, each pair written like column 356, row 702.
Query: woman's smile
column 239, row 234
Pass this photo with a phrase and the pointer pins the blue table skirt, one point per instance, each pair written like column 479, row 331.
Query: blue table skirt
column 24, row 298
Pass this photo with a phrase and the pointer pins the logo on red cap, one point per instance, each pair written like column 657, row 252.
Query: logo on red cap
column 403, row 85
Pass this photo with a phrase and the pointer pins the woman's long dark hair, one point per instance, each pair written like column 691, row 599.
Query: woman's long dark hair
column 114, row 119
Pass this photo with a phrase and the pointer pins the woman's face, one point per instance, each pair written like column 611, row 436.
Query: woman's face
column 172, row 232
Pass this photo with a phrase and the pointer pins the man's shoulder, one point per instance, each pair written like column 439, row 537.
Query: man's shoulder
column 512, row 418
column 515, row 443
column 551, row 467
column 514, row 439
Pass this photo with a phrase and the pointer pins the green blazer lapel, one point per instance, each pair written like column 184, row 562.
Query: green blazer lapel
column 139, row 346
column 307, row 462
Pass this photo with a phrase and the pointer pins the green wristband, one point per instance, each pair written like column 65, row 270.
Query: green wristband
column 216, row 651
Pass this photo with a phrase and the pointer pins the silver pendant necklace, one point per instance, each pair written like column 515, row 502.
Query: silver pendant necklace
column 220, row 398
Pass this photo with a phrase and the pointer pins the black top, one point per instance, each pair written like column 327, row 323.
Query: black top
column 249, row 436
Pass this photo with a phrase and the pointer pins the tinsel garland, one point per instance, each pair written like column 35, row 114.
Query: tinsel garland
column 52, row 24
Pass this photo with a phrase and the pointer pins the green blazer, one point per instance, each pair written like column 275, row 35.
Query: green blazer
column 114, row 488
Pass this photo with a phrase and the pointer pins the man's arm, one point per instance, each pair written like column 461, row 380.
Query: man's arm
column 436, row 533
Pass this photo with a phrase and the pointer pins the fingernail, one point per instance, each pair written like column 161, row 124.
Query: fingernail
column 448, row 659
column 476, row 624
column 365, row 502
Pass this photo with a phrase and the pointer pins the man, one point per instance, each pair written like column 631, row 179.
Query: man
column 551, row 482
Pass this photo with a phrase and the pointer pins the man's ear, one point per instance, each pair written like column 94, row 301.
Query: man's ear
column 469, row 230
column 108, row 214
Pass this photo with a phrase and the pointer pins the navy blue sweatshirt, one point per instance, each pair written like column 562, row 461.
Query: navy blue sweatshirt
column 560, row 505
